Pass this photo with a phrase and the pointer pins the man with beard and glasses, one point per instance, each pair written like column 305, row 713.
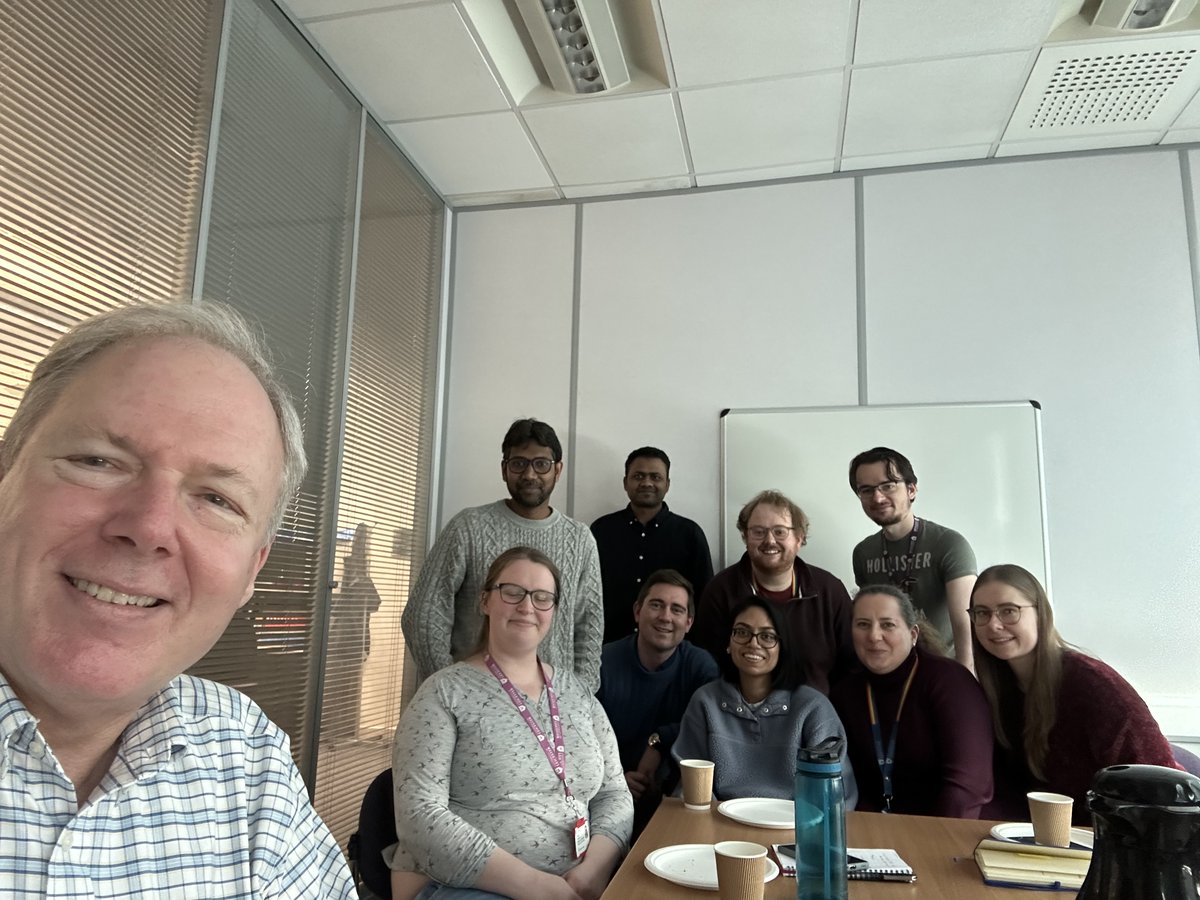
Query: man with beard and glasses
column 644, row 537
column 931, row 563
column 442, row 619
column 811, row 602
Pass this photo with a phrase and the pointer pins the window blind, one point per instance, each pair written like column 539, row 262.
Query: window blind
column 279, row 241
column 384, row 486
column 104, row 121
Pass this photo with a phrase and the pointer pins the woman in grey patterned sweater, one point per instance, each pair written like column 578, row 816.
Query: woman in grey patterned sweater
column 486, row 806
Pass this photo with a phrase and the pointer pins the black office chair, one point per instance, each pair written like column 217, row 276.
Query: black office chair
column 1186, row 758
column 376, row 830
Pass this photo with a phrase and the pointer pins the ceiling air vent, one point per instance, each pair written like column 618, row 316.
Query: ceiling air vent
column 1111, row 87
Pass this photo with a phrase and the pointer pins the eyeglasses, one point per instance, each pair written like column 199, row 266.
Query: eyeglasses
column 514, row 595
column 766, row 639
column 887, row 488
column 518, row 464
column 1009, row 614
column 779, row 532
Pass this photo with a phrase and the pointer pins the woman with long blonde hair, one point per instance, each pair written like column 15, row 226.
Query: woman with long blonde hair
column 1059, row 715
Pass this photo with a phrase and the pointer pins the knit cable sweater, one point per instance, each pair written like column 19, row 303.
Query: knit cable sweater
column 442, row 621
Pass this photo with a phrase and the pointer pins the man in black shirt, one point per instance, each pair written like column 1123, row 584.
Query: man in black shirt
column 644, row 537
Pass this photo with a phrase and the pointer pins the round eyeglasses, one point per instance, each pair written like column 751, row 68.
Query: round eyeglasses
column 518, row 464
column 1009, row 614
column 514, row 594
column 743, row 635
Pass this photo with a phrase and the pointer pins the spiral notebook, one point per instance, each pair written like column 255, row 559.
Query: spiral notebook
column 882, row 864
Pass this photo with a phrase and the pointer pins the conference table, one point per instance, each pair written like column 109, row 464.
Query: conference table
column 940, row 852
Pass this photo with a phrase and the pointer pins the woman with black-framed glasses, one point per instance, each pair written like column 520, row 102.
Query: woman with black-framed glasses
column 752, row 721
column 1059, row 715
column 506, row 771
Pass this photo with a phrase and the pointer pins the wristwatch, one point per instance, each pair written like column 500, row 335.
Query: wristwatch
column 654, row 740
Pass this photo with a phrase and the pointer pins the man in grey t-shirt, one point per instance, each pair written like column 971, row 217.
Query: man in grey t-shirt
column 933, row 564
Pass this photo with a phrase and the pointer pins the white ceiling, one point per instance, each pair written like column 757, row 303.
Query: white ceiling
column 736, row 91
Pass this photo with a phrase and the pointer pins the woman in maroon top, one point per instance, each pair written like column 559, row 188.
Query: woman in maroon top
column 911, row 704
column 1059, row 715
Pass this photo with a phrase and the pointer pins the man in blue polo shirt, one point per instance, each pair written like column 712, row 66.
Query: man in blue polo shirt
column 646, row 681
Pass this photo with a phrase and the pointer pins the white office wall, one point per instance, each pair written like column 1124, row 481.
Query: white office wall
column 694, row 304
column 509, row 351
column 1066, row 280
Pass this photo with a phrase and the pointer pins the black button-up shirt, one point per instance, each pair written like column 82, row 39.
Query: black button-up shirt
column 631, row 551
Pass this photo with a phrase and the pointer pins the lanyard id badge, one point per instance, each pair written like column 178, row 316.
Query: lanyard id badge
column 583, row 836
column 887, row 758
column 554, row 749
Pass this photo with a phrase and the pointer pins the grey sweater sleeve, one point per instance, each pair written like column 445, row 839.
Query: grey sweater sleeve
column 428, row 619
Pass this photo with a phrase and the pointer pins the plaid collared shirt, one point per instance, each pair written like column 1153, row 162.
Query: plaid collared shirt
column 202, row 800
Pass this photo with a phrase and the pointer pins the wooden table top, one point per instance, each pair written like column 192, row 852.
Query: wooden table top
column 939, row 850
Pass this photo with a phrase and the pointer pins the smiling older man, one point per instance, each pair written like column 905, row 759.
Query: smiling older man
column 812, row 602
column 142, row 479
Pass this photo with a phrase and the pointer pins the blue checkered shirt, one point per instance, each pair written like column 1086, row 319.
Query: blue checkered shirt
column 202, row 800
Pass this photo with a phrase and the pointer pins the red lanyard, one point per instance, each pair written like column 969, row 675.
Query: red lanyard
column 887, row 759
column 555, row 751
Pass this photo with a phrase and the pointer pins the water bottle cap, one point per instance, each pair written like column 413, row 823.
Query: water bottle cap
column 828, row 751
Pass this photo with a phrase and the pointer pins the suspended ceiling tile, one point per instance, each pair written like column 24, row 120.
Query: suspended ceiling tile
column 927, row 157
column 474, row 154
column 412, row 62
column 943, row 103
column 1189, row 117
column 1075, row 144
column 772, row 173
column 763, row 123
column 600, row 141
column 895, row 30
column 717, row 40
column 308, row 9
column 677, row 183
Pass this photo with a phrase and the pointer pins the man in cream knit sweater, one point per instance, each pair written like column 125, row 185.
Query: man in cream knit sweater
column 442, row 620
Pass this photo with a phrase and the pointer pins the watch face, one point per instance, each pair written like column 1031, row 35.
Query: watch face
column 654, row 740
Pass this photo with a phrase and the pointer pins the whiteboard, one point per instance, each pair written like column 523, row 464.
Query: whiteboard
column 978, row 467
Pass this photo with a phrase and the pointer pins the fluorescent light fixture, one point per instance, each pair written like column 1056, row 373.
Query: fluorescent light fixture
column 1140, row 15
column 577, row 43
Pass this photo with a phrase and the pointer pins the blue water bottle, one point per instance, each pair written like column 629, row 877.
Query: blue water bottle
column 820, row 822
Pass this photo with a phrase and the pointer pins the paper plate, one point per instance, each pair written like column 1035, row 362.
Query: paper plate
column 1022, row 833
column 693, row 865
column 761, row 811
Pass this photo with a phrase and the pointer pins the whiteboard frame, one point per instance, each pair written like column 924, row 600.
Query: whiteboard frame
column 730, row 541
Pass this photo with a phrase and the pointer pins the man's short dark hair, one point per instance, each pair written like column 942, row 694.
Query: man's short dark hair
column 668, row 576
column 896, row 464
column 523, row 431
column 648, row 453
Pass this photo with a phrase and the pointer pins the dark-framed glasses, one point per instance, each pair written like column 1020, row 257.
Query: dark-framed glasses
column 513, row 594
column 518, row 464
column 743, row 635
column 1009, row 614
column 779, row 532
column 887, row 488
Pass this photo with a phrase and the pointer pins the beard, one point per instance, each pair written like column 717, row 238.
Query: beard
column 530, row 495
